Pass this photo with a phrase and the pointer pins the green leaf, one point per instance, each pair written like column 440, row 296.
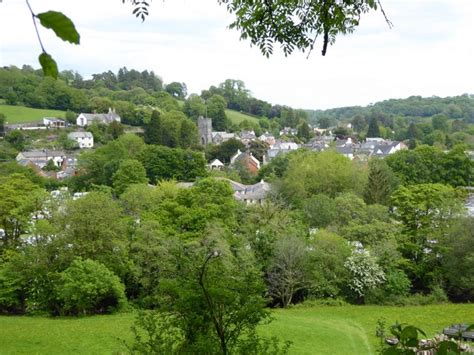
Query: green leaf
column 61, row 25
column 409, row 334
column 48, row 64
column 447, row 347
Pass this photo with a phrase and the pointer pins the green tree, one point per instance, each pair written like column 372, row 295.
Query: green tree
column 381, row 182
column 130, row 172
column 216, row 106
column 178, row 90
column 288, row 272
column 88, row 287
column 3, row 119
column 328, row 172
column 194, row 107
column 19, row 200
column 427, row 211
column 216, row 296
column 153, row 130
column 93, row 228
column 304, row 131
column 373, row 130
column 440, row 122
column 459, row 258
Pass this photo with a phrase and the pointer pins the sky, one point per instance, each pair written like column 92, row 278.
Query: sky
column 429, row 51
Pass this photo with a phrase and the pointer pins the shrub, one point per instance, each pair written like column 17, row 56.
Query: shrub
column 87, row 286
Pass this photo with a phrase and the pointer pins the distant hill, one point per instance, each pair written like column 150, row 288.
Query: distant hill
column 22, row 114
column 416, row 107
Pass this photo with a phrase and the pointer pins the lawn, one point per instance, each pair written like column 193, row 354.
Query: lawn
column 316, row 330
column 22, row 114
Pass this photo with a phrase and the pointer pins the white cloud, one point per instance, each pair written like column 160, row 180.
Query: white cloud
column 428, row 52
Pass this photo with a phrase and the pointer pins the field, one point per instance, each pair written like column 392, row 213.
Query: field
column 21, row 114
column 316, row 330
column 237, row 117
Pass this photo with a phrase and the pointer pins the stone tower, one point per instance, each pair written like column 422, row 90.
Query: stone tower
column 205, row 130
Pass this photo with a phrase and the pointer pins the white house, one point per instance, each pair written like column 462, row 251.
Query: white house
column 85, row 119
column 216, row 164
column 83, row 139
column 52, row 122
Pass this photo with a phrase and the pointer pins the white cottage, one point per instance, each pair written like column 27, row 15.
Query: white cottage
column 83, row 139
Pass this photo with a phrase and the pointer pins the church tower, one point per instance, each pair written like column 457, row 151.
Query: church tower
column 205, row 130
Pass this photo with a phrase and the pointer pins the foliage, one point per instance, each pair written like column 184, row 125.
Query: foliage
column 366, row 274
column 328, row 254
column 295, row 25
column 130, row 172
column 431, row 165
column 19, row 200
column 288, row 271
column 163, row 163
column 381, row 182
column 460, row 259
column 87, row 286
column 217, row 307
column 328, row 172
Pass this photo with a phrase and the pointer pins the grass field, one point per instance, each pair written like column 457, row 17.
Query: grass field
column 21, row 114
column 316, row 330
column 237, row 117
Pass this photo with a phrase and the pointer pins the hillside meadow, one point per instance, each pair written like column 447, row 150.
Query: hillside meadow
column 22, row 114
column 315, row 330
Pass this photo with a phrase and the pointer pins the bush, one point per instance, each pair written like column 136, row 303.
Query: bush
column 332, row 302
column 88, row 287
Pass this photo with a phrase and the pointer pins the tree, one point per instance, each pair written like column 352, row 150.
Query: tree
column 373, row 130
column 87, row 286
column 304, row 131
column 178, row 90
column 216, row 106
column 427, row 211
column 194, row 107
column 225, row 150
column 19, row 200
column 130, row 172
column 3, row 119
column 328, row 252
column 458, row 259
column 215, row 294
column 381, row 182
column 328, row 172
column 93, row 228
column 366, row 274
column 153, row 130
column 440, row 122
column 288, row 271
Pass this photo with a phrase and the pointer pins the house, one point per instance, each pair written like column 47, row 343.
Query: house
column 216, row 164
column 52, row 122
column 41, row 157
column 83, row 139
column 345, row 150
column 247, row 160
column 288, row 131
column 267, row 138
column 220, row 137
column 252, row 194
column 247, row 136
column 280, row 148
column 85, row 119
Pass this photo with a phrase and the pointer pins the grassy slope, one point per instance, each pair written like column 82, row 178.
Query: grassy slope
column 237, row 117
column 21, row 114
column 318, row 330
